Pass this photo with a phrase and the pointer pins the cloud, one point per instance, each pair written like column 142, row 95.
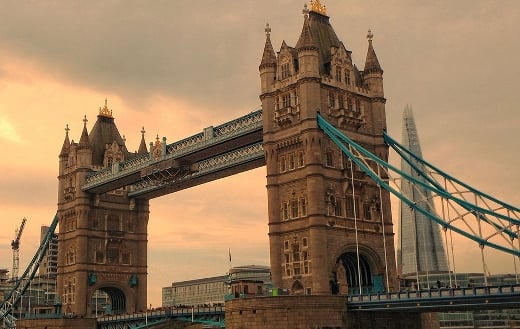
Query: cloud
column 8, row 131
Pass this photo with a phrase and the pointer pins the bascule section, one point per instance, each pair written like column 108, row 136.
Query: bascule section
column 330, row 226
column 102, row 248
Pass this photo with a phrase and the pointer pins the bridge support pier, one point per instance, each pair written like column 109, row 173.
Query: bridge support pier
column 317, row 312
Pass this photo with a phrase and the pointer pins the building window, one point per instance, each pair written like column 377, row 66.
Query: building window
column 341, row 101
column 288, row 270
column 347, row 77
column 350, row 206
column 112, row 255
column 71, row 257
column 332, row 100
column 286, row 100
column 308, row 291
column 329, row 158
column 304, row 243
column 99, row 256
column 283, row 166
column 125, row 258
column 285, row 70
column 297, row 269
column 301, row 159
column 285, row 211
column 296, row 253
column 113, row 223
column 294, row 208
column 358, row 106
column 366, row 211
column 349, row 103
column 287, row 259
column 338, row 73
column 286, row 245
column 303, row 206
column 292, row 161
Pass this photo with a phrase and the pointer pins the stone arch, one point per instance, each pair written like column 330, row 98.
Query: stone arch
column 297, row 288
column 113, row 299
column 348, row 274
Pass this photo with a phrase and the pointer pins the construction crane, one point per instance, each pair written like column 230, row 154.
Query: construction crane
column 15, row 245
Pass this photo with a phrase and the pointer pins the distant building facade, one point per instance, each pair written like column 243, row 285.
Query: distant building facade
column 242, row 280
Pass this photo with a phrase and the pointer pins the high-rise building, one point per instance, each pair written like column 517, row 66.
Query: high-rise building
column 420, row 249
column 49, row 264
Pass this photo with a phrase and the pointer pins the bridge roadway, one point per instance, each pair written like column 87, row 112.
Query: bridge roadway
column 433, row 300
column 216, row 152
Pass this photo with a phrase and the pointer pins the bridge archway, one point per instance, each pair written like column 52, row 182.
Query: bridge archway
column 350, row 276
column 297, row 288
column 108, row 300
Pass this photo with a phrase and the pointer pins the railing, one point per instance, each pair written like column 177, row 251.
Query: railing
column 168, row 313
column 442, row 299
column 436, row 293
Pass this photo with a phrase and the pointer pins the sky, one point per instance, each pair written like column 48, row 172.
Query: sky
column 175, row 67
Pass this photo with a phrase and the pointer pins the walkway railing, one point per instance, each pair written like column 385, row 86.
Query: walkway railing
column 442, row 298
column 189, row 314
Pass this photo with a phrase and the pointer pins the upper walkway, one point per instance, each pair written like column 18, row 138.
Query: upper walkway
column 216, row 152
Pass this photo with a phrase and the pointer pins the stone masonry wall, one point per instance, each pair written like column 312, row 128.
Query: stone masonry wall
column 317, row 312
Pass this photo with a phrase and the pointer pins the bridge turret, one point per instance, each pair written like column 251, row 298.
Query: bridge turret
column 64, row 153
column 268, row 64
column 373, row 73
column 308, row 51
column 84, row 149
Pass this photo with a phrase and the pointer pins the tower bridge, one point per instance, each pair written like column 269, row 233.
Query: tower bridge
column 321, row 135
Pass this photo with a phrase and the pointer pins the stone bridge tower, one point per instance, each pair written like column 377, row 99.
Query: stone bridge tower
column 316, row 198
column 102, row 238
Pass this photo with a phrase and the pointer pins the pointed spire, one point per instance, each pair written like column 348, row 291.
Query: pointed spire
column 66, row 143
column 269, row 56
column 142, row 147
column 306, row 41
column 371, row 63
column 84, row 141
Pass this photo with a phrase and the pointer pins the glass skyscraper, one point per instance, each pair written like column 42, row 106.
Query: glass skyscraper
column 420, row 249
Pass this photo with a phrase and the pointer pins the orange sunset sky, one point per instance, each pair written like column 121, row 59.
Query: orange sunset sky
column 176, row 67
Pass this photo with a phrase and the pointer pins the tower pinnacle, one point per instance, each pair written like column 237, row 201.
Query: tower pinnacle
column 370, row 35
column 105, row 111
column 317, row 7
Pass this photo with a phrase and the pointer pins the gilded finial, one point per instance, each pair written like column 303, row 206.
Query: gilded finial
column 305, row 11
column 105, row 111
column 142, row 131
column 85, row 120
column 67, row 129
column 267, row 30
column 317, row 7
column 370, row 35
column 124, row 139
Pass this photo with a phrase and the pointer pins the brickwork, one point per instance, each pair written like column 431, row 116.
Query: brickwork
column 282, row 312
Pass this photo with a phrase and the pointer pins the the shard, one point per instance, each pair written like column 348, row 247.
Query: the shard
column 420, row 247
